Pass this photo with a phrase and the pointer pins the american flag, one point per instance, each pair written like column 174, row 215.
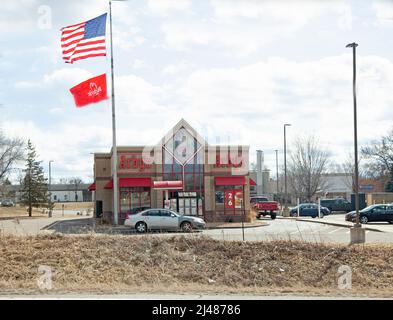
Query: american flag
column 84, row 40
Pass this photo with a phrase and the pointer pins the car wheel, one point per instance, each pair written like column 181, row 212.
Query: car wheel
column 314, row 217
column 141, row 227
column 390, row 222
column 186, row 227
column 363, row 219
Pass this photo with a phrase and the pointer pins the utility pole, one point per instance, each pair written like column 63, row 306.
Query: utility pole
column 277, row 170
column 285, row 213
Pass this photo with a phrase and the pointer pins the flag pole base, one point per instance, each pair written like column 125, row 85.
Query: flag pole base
column 357, row 235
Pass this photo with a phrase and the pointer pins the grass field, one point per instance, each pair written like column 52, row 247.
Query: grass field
column 20, row 211
column 13, row 212
column 120, row 264
column 74, row 205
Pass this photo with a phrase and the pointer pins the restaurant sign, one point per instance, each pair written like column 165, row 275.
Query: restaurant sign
column 132, row 161
column 228, row 161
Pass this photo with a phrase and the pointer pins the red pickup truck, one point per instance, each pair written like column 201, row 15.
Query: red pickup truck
column 265, row 207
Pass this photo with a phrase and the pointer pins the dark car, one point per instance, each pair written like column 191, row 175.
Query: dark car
column 337, row 204
column 374, row 213
column 7, row 203
column 309, row 210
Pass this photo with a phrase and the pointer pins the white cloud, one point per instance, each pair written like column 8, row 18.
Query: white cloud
column 137, row 95
column 384, row 12
column 165, row 7
column 67, row 75
column 139, row 64
column 174, row 69
column 245, row 105
column 245, row 26
column 63, row 77
column 17, row 16
column 254, row 101
column 64, row 143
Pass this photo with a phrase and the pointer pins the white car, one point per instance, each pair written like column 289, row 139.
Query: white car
column 163, row 219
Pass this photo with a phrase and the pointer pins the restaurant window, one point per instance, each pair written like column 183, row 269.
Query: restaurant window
column 183, row 160
column 229, row 200
column 132, row 198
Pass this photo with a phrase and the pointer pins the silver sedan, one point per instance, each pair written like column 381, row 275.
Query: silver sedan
column 163, row 219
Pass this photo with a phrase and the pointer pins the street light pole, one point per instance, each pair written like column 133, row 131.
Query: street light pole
column 277, row 171
column 285, row 169
column 353, row 46
column 357, row 234
column 49, row 188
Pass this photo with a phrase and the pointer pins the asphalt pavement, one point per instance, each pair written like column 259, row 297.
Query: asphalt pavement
column 36, row 225
column 311, row 230
column 291, row 229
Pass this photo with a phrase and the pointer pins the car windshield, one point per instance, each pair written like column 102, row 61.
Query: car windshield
column 368, row 208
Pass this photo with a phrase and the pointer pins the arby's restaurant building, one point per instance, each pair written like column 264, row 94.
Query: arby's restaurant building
column 181, row 172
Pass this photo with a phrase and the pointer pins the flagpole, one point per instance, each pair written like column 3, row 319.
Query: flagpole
column 114, row 147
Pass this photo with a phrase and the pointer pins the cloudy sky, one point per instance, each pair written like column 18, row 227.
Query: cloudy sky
column 235, row 70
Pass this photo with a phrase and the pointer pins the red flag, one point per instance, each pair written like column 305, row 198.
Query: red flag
column 90, row 91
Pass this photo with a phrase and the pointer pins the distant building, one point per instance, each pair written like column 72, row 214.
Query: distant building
column 372, row 185
column 265, row 184
column 337, row 185
column 59, row 193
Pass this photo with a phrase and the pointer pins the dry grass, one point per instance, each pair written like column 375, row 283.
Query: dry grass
column 74, row 205
column 17, row 211
column 185, row 264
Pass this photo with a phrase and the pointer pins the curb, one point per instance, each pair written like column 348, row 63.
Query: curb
column 50, row 225
column 330, row 223
column 232, row 227
column 58, row 221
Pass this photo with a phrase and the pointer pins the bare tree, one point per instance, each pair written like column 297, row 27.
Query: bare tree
column 76, row 181
column 381, row 152
column 306, row 166
column 348, row 167
column 64, row 181
column 11, row 151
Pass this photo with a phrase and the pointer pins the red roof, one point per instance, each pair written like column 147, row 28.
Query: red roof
column 130, row 182
column 174, row 185
column 230, row 181
column 92, row 187
column 252, row 182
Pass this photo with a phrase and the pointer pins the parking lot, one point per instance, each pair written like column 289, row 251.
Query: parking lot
column 330, row 229
column 291, row 229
